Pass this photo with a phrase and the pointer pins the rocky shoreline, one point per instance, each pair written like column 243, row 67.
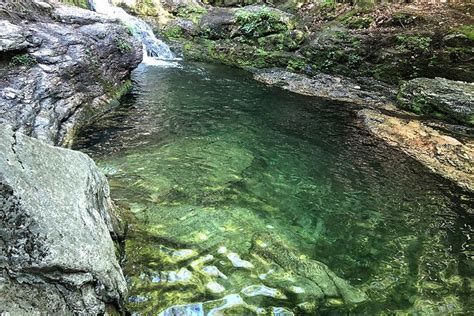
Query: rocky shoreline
column 445, row 149
column 62, row 66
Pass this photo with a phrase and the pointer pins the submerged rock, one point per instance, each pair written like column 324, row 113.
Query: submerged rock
column 62, row 70
column 437, row 149
column 56, row 220
column 262, row 290
column 213, row 271
column 271, row 247
column 214, row 287
column 455, row 99
column 238, row 262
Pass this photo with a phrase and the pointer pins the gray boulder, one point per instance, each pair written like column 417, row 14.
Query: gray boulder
column 454, row 99
column 62, row 70
column 56, row 220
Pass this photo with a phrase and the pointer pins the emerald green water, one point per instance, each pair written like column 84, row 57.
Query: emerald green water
column 206, row 158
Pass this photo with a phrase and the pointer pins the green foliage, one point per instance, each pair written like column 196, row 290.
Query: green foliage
column 413, row 44
column 146, row 7
column 193, row 13
column 23, row 60
column 78, row 3
column 128, row 28
column 468, row 31
column 289, row 40
column 92, row 58
column 123, row 45
column 173, row 32
column 357, row 22
column 296, row 64
column 403, row 19
column 260, row 23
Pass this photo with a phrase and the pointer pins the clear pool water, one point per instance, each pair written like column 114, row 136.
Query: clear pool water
column 238, row 193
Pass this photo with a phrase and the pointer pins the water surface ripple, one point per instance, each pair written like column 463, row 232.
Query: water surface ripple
column 249, row 199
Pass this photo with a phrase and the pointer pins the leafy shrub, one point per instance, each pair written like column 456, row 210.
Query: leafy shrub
column 262, row 22
column 403, row 19
column 173, row 32
column 23, row 60
column 123, row 46
column 356, row 22
column 296, row 64
column 413, row 44
column 467, row 30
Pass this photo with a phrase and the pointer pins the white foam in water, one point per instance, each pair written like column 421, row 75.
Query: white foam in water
column 155, row 51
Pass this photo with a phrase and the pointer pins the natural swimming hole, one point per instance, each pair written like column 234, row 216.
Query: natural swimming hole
column 247, row 199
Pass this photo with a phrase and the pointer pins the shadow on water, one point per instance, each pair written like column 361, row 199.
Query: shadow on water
column 206, row 160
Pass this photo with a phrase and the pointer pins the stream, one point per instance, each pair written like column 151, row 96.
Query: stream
column 248, row 199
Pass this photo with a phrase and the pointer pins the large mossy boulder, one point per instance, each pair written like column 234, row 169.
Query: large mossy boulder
column 254, row 21
column 57, row 255
column 439, row 96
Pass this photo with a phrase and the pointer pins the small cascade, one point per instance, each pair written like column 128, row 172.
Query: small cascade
column 155, row 51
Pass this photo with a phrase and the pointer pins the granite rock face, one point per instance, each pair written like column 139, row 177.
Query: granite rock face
column 56, row 221
column 454, row 99
column 364, row 91
column 60, row 68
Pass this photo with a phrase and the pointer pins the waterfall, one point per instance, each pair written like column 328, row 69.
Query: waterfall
column 154, row 50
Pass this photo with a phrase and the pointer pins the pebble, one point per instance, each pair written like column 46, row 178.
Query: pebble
column 215, row 287
column 262, row 290
column 281, row 311
column 229, row 301
column 237, row 262
column 222, row 250
column 200, row 261
column 296, row 289
column 183, row 254
column 213, row 271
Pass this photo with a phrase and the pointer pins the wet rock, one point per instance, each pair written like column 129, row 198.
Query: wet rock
column 214, row 287
column 231, row 304
column 183, row 275
column 183, row 254
column 437, row 149
column 455, row 99
column 361, row 91
column 226, row 304
column 13, row 37
column 262, row 290
column 67, row 68
column 281, row 311
column 213, row 271
column 201, row 261
column 238, row 262
column 191, row 309
column 271, row 247
column 56, row 221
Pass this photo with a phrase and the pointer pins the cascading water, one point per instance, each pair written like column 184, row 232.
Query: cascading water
column 154, row 50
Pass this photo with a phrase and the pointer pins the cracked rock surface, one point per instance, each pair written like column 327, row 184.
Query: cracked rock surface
column 70, row 64
column 56, row 219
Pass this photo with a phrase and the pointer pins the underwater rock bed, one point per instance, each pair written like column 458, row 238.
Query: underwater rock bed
column 248, row 198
